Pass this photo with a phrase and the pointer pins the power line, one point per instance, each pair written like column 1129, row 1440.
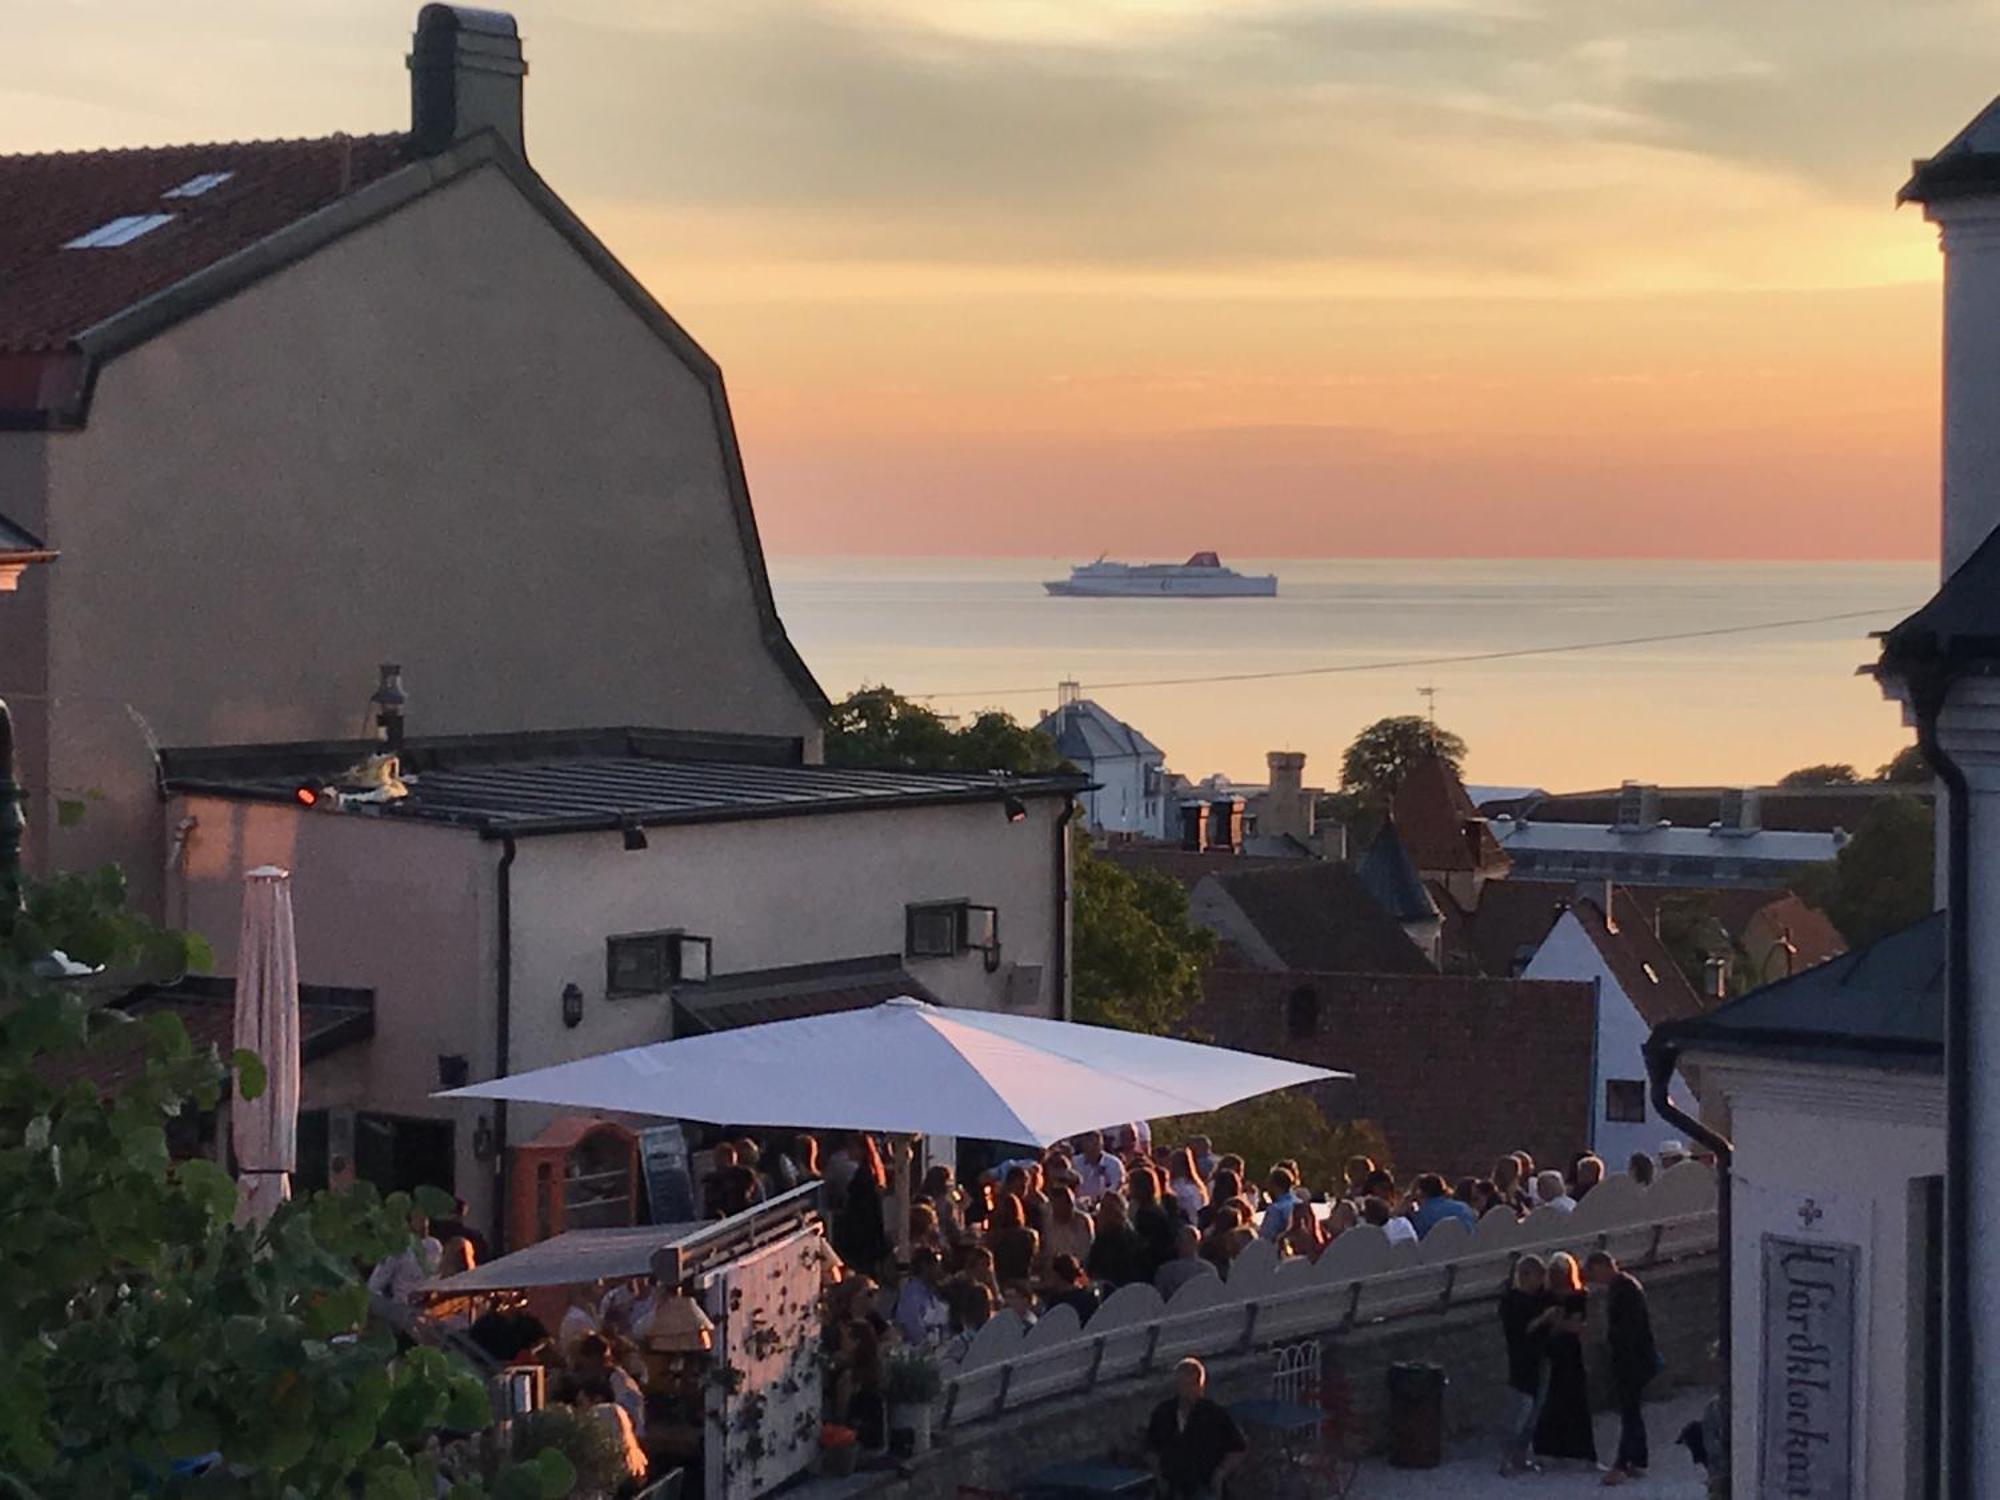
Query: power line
column 1406, row 663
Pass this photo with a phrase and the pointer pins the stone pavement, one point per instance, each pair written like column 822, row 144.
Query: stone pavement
column 1469, row 1470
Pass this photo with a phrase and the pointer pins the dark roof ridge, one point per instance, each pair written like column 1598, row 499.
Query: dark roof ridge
column 260, row 143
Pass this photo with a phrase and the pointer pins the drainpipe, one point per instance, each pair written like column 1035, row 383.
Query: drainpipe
column 12, row 825
column 503, row 994
column 1927, row 696
column 1068, row 815
column 1662, row 1054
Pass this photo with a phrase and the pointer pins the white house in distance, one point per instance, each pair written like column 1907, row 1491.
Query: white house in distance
column 1128, row 798
column 1861, row 1099
column 1603, row 938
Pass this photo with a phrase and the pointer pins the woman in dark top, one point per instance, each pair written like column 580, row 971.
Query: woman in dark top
column 1563, row 1429
column 1117, row 1254
column 1150, row 1218
column 1226, row 1186
column 860, row 1237
column 1013, row 1243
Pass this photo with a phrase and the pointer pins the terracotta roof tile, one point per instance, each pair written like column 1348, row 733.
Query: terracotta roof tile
column 1440, row 828
column 49, row 295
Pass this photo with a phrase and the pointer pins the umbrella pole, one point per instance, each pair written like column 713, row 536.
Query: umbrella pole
column 904, row 1150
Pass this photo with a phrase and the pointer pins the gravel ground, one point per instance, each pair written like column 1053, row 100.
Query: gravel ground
column 1468, row 1472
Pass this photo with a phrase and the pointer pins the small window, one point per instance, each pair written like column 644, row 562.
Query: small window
column 1302, row 1013
column 651, row 963
column 120, row 231
column 945, row 929
column 1625, row 1101
column 194, row 187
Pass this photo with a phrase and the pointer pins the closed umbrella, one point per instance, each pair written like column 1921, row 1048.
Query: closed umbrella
column 264, row 1130
column 907, row 1067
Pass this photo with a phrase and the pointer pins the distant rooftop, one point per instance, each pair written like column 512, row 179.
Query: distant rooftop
column 1086, row 731
column 569, row 782
column 1880, row 1006
column 1967, row 166
column 1814, row 809
column 1521, row 836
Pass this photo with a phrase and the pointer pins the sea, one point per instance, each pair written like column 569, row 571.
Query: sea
column 1555, row 673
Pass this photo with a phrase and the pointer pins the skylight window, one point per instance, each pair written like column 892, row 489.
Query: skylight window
column 120, row 231
column 194, row 187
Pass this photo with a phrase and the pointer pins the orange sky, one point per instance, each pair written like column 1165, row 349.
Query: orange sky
column 1366, row 277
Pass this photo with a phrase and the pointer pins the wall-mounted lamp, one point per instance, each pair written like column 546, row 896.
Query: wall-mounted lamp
column 1015, row 808
column 635, row 837
column 572, row 1006
column 388, row 700
column 483, row 1143
column 454, row 1071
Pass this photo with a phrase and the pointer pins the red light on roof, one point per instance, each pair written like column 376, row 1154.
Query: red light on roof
column 307, row 796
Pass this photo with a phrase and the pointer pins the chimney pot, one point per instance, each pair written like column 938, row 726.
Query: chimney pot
column 465, row 77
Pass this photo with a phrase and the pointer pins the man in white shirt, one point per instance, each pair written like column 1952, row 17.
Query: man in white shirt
column 922, row 1317
column 1098, row 1171
column 1550, row 1192
column 398, row 1277
column 1394, row 1226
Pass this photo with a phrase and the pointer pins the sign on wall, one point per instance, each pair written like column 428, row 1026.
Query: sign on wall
column 1806, row 1437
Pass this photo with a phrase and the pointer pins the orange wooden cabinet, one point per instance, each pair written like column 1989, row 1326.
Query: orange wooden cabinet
column 579, row 1173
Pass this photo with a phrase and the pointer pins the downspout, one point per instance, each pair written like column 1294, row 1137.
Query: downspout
column 1662, row 1054
column 503, row 995
column 1927, row 697
column 1064, row 1006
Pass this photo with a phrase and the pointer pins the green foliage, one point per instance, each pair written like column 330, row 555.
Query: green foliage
column 1382, row 754
column 1907, row 768
column 141, row 1325
column 911, row 1377
column 1882, row 878
column 876, row 727
column 1137, row 959
column 1272, row 1127
column 1833, row 773
column 1692, row 933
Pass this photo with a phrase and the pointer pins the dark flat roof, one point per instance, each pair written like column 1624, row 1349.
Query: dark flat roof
column 1960, row 626
column 784, row 994
column 524, row 785
column 1879, row 1006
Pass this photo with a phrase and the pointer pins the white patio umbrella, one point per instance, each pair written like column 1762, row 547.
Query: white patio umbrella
column 909, row 1068
column 264, row 1130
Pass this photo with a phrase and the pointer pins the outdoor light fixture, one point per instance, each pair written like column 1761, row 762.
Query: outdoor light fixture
column 572, row 1006
column 635, row 837
column 454, row 1072
column 483, row 1143
column 1015, row 808
column 387, row 700
column 679, row 1326
column 306, row 795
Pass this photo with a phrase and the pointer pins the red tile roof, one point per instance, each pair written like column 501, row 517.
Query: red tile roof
column 1440, row 828
column 1455, row 1071
column 1645, row 971
column 49, row 295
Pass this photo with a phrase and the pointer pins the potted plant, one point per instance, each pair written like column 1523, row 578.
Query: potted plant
column 911, row 1382
column 838, row 1447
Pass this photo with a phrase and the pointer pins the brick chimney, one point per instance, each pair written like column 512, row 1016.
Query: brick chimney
column 1959, row 189
column 465, row 77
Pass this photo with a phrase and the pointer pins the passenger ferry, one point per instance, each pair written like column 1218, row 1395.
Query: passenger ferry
column 1200, row 577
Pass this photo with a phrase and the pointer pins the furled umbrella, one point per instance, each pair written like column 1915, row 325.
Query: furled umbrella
column 264, row 1130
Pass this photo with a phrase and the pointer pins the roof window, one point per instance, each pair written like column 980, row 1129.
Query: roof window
column 194, row 187
column 120, row 231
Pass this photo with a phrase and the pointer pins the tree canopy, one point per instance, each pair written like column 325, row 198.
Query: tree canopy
column 1882, row 878
column 1382, row 754
column 875, row 726
column 1137, row 959
column 143, row 1328
column 1907, row 768
column 1834, row 773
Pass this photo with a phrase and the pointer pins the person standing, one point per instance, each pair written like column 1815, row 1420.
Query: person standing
column 1524, row 1322
column 860, row 1237
column 1192, row 1443
column 1097, row 1171
column 1563, row 1428
column 1635, row 1358
column 1278, row 1216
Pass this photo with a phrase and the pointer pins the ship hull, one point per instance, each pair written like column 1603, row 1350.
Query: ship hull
column 1234, row 587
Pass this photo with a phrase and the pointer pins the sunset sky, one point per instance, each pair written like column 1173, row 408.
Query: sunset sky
column 1360, row 277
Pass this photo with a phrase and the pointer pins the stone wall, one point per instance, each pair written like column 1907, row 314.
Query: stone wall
column 1107, row 1422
